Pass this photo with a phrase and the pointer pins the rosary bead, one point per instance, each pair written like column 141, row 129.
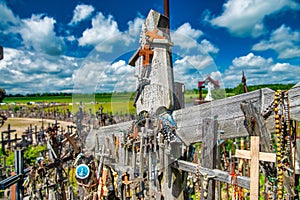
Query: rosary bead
column 279, row 165
column 279, row 158
column 276, row 109
column 278, row 153
column 278, row 149
column 278, row 144
column 278, row 136
column 278, row 139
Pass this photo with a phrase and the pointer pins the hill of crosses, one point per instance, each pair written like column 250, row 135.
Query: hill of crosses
column 245, row 146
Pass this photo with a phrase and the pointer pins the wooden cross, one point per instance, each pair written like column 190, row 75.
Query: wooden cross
column 1, row 52
column 153, row 35
column 71, row 140
column 6, row 140
column 147, row 53
column 255, row 156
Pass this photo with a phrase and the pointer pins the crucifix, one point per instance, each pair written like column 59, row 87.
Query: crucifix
column 255, row 156
column 147, row 53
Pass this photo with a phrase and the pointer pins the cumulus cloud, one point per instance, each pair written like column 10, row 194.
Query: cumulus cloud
column 284, row 41
column 185, row 36
column 208, row 47
column 81, row 13
column 38, row 34
column 259, row 70
column 245, row 17
column 102, row 29
column 101, row 76
column 7, row 17
column 31, row 72
column 192, row 68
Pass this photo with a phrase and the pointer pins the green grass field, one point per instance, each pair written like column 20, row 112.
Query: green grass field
column 115, row 102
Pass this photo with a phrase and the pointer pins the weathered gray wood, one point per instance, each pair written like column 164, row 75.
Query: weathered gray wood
column 255, row 125
column 230, row 117
column 209, row 142
column 218, row 175
column 294, row 96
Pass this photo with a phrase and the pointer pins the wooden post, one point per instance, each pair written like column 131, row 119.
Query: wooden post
column 209, row 152
column 19, row 171
column 255, row 157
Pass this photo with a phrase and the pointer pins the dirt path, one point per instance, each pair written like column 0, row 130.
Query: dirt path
column 22, row 124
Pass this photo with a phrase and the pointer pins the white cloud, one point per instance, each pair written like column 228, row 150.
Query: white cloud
column 245, row 17
column 135, row 26
column 81, row 13
column 185, row 36
column 102, row 29
column 38, row 34
column 30, row 72
column 259, row 70
column 281, row 67
column 208, row 47
column 7, row 17
column 101, row 76
column 284, row 41
column 192, row 68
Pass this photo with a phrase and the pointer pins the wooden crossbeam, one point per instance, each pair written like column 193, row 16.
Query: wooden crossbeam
column 218, row 175
column 255, row 156
column 153, row 35
column 70, row 138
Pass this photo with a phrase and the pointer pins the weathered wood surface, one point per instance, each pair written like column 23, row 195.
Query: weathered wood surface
column 217, row 174
column 228, row 112
column 294, row 96
column 210, row 128
column 256, row 126
column 106, row 132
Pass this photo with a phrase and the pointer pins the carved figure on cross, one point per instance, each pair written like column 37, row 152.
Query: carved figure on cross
column 147, row 54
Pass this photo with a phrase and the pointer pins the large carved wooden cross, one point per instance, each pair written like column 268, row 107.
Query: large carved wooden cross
column 255, row 157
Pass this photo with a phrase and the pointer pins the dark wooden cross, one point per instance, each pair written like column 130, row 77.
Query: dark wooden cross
column 200, row 87
column 6, row 139
column 1, row 52
column 147, row 53
column 244, row 82
column 167, row 13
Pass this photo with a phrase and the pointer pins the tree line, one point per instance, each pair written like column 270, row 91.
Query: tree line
column 236, row 90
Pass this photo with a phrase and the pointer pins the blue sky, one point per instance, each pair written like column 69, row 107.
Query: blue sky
column 66, row 46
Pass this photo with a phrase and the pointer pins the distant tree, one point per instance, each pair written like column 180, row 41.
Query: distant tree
column 239, row 89
column 218, row 93
column 2, row 94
